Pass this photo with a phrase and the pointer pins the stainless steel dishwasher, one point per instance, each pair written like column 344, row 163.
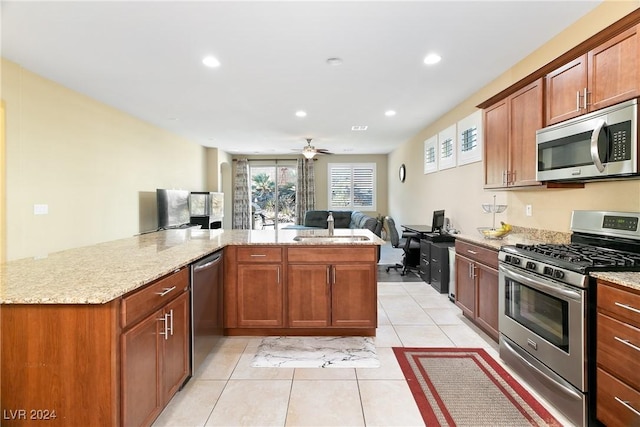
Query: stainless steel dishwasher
column 206, row 307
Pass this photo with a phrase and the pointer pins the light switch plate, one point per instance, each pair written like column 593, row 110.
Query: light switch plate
column 40, row 209
column 528, row 210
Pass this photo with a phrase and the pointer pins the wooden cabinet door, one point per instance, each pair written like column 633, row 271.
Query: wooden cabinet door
column 309, row 298
column 140, row 371
column 487, row 297
column 496, row 142
column 353, row 298
column 525, row 118
column 260, row 295
column 565, row 91
column 465, row 286
column 175, row 360
column 614, row 70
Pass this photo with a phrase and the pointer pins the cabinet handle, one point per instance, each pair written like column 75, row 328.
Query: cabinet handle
column 585, row 101
column 473, row 271
column 278, row 273
column 166, row 331
column 166, row 291
column 627, row 343
column 504, row 177
column 628, row 307
column 257, row 255
column 472, row 252
column 171, row 321
column 333, row 275
column 627, row 405
column 328, row 275
column 577, row 100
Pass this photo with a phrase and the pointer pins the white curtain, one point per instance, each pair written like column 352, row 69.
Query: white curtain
column 306, row 189
column 241, row 200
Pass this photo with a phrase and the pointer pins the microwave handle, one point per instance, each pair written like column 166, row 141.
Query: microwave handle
column 595, row 154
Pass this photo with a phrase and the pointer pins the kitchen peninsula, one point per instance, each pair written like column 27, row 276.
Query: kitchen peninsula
column 72, row 320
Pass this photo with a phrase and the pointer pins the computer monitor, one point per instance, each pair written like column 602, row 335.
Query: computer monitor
column 437, row 222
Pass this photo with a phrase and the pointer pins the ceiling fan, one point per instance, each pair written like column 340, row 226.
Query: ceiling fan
column 310, row 151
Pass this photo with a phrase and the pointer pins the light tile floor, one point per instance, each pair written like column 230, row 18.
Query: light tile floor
column 226, row 391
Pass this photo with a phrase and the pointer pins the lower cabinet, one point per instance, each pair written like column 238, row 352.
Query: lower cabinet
column 154, row 360
column 477, row 285
column 325, row 290
column 617, row 355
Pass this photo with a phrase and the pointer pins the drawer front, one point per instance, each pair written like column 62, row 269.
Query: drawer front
column 259, row 254
column 616, row 402
column 332, row 254
column 619, row 349
column 618, row 303
column 476, row 253
column 142, row 302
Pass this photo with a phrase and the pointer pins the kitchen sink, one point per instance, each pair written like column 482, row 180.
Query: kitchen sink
column 331, row 239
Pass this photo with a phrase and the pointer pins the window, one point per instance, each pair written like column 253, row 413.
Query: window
column 352, row 186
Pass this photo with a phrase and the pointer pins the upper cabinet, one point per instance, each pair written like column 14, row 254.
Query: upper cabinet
column 510, row 138
column 606, row 75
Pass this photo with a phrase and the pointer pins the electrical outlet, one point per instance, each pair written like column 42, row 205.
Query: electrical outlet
column 40, row 209
column 528, row 210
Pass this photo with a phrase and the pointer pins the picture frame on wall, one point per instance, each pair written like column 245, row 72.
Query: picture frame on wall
column 470, row 139
column 431, row 154
column 447, row 142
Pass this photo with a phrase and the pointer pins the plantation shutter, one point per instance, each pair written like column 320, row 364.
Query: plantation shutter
column 352, row 186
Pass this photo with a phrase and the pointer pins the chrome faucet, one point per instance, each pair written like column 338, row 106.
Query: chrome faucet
column 330, row 223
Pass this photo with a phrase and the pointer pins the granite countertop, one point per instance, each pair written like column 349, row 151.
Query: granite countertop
column 100, row 273
column 630, row 279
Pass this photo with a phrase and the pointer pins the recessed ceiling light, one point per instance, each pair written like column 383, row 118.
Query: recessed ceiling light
column 432, row 58
column 359, row 127
column 210, row 61
column 334, row 61
column 301, row 113
column 389, row 113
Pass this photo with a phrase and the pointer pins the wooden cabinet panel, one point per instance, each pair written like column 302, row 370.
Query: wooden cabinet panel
column 619, row 349
column 619, row 303
column 353, row 298
column 465, row 286
column 309, row 295
column 260, row 295
column 565, row 89
column 610, row 408
column 477, row 285
column 62, row 358
column 477, row 253
column 496, row 140
column 259, row 254
column 614, row 70
column 332, row 254
column 487, row 299
column 510, row 138
column 141, row 400
column 140, row 303
column 175, row 360
column 525, row 118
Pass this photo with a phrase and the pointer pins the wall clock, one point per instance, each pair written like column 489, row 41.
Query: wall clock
column 402, row 173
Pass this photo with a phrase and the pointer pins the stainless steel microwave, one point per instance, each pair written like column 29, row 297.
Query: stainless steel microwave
column 599, row 145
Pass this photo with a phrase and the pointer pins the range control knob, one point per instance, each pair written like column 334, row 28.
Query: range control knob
column 515, row 260
column 558, row 274
column 548, row 271
column 530, row 265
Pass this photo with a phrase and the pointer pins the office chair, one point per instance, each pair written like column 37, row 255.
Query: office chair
column 410, row 244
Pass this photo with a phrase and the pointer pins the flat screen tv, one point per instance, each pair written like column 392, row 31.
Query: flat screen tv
column 173, row 208
column 438, row 221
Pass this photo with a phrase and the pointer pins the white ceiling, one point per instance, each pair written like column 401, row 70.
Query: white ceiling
column 144, row 58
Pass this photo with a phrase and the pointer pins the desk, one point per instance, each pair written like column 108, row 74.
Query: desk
column 434, row 256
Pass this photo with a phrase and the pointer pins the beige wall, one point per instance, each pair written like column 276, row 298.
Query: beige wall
column 95, row 167
column 459, row 191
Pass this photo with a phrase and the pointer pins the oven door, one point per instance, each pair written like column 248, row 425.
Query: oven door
column 547, row 320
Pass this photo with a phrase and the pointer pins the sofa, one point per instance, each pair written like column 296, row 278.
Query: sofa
column 342, row 219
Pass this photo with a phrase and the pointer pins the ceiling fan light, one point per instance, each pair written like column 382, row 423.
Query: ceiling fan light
column 308, row 154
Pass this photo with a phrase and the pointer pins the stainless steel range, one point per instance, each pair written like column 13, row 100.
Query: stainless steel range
column 547, row 306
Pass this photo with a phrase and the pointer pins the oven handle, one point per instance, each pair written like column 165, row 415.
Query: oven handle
column 530, row 281
column 595, row 155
